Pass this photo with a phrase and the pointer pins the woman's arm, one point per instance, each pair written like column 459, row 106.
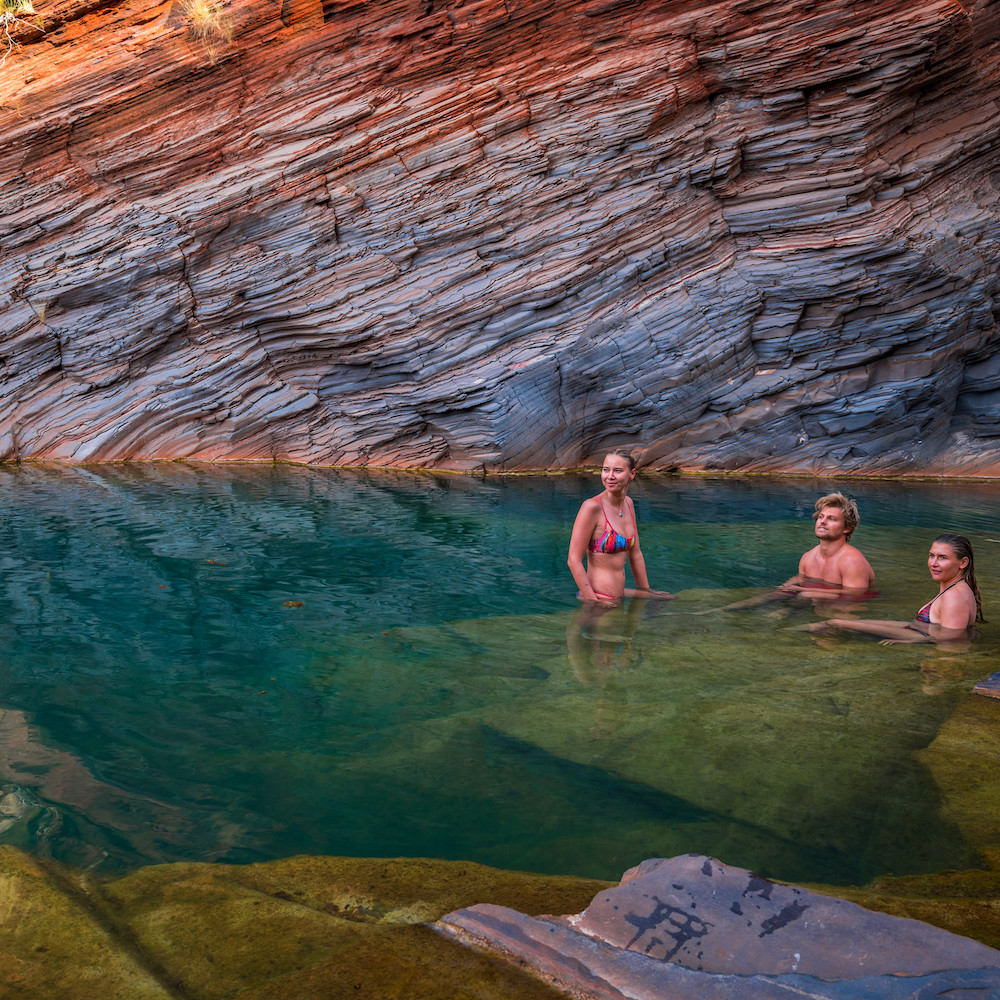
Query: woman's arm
column 890, row 631
column 583, row 531
column 954, row 639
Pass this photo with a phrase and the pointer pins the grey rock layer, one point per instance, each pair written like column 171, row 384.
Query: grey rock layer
column 692, row 927
column 748, row 236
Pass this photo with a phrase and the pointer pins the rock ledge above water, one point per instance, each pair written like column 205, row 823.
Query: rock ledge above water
column 692, row 927
column 502, row 236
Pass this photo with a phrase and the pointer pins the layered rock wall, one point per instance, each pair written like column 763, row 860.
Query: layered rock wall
column 504, row 234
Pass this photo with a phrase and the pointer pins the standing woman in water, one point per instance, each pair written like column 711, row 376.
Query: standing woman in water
column 605, row 533
column 949, row 615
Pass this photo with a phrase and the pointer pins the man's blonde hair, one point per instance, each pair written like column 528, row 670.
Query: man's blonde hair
column 846, row 506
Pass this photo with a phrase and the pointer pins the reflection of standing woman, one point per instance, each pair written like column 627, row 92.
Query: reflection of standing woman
column 605, row 533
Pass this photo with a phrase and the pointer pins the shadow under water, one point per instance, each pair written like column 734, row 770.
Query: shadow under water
column 243, row 664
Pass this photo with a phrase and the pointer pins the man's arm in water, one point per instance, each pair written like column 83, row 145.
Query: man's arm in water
column 796, row 584
column 790, row 588
column 855, row 578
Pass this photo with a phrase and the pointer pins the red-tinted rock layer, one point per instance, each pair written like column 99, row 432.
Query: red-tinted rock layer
column 504, row 234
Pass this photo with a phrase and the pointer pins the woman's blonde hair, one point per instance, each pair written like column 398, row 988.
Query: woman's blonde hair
column 627, row 455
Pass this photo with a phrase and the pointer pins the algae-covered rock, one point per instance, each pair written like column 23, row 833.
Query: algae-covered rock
column 315, row 927
column 965, row 761
column 340, row 926
column 52, row 945
column 286, row 930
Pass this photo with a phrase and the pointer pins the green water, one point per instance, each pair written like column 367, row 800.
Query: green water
column 432, row 690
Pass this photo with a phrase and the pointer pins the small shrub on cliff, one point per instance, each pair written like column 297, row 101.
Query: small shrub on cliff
column 12, row 12
column 209, row 24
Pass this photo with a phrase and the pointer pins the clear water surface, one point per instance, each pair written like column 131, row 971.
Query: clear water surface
column 238, row 664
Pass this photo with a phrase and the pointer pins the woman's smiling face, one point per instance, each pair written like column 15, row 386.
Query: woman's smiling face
column 616, row 473
column 944, row 564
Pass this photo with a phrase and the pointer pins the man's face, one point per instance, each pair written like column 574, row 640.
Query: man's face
column 830, row 524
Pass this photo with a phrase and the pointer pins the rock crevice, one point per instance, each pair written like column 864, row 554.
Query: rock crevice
column 505, row 235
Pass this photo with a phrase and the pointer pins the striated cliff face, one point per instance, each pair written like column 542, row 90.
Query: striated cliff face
column 503, row 234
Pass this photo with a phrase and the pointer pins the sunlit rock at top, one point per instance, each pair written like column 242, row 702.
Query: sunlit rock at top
column 503, row 235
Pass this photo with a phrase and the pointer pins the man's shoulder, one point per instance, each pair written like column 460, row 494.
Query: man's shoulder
column 853, row 568
column 820, row 563
column 811, row 554
column 851, row 553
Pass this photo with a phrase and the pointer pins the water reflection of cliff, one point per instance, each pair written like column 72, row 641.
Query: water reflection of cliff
column 162, row 701
column 144, row 627
column 50, row 801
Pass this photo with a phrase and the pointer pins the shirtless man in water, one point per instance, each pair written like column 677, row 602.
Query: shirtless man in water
column 831, row 569
column 834, row 567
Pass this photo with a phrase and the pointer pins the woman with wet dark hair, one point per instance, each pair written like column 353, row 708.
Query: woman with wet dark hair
column 952, row 613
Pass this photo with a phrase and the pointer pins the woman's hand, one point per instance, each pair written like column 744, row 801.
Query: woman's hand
column 601, row 602
column 646, row 593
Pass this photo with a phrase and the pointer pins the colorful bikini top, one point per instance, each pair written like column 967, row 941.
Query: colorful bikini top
column 924, row 614
column 610, row 541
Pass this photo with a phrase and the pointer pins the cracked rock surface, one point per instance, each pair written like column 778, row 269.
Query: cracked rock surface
column 504, row 235
column 690, row 926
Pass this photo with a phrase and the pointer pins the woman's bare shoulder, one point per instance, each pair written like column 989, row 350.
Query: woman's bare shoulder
column 958, row 593
column 958, row 600
column 590, row 510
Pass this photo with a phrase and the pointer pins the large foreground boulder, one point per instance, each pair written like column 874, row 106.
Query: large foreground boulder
column 692, row 927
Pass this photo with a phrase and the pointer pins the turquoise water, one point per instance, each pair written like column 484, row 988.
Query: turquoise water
column 238, row 664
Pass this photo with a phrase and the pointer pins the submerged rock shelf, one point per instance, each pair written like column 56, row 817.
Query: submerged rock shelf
column 308, row 928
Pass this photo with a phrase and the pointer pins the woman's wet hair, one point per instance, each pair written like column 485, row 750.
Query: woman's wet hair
column 852, row 518
column 962, row 548
column 627, row 455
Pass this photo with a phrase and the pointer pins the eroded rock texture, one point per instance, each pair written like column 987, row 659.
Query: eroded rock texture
column 692, row 927
column 504, row 234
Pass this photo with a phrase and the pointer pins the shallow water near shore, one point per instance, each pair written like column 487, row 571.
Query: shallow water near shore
column 237, row 664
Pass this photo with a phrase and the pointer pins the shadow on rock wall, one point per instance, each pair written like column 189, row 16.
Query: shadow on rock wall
column 504, row 235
